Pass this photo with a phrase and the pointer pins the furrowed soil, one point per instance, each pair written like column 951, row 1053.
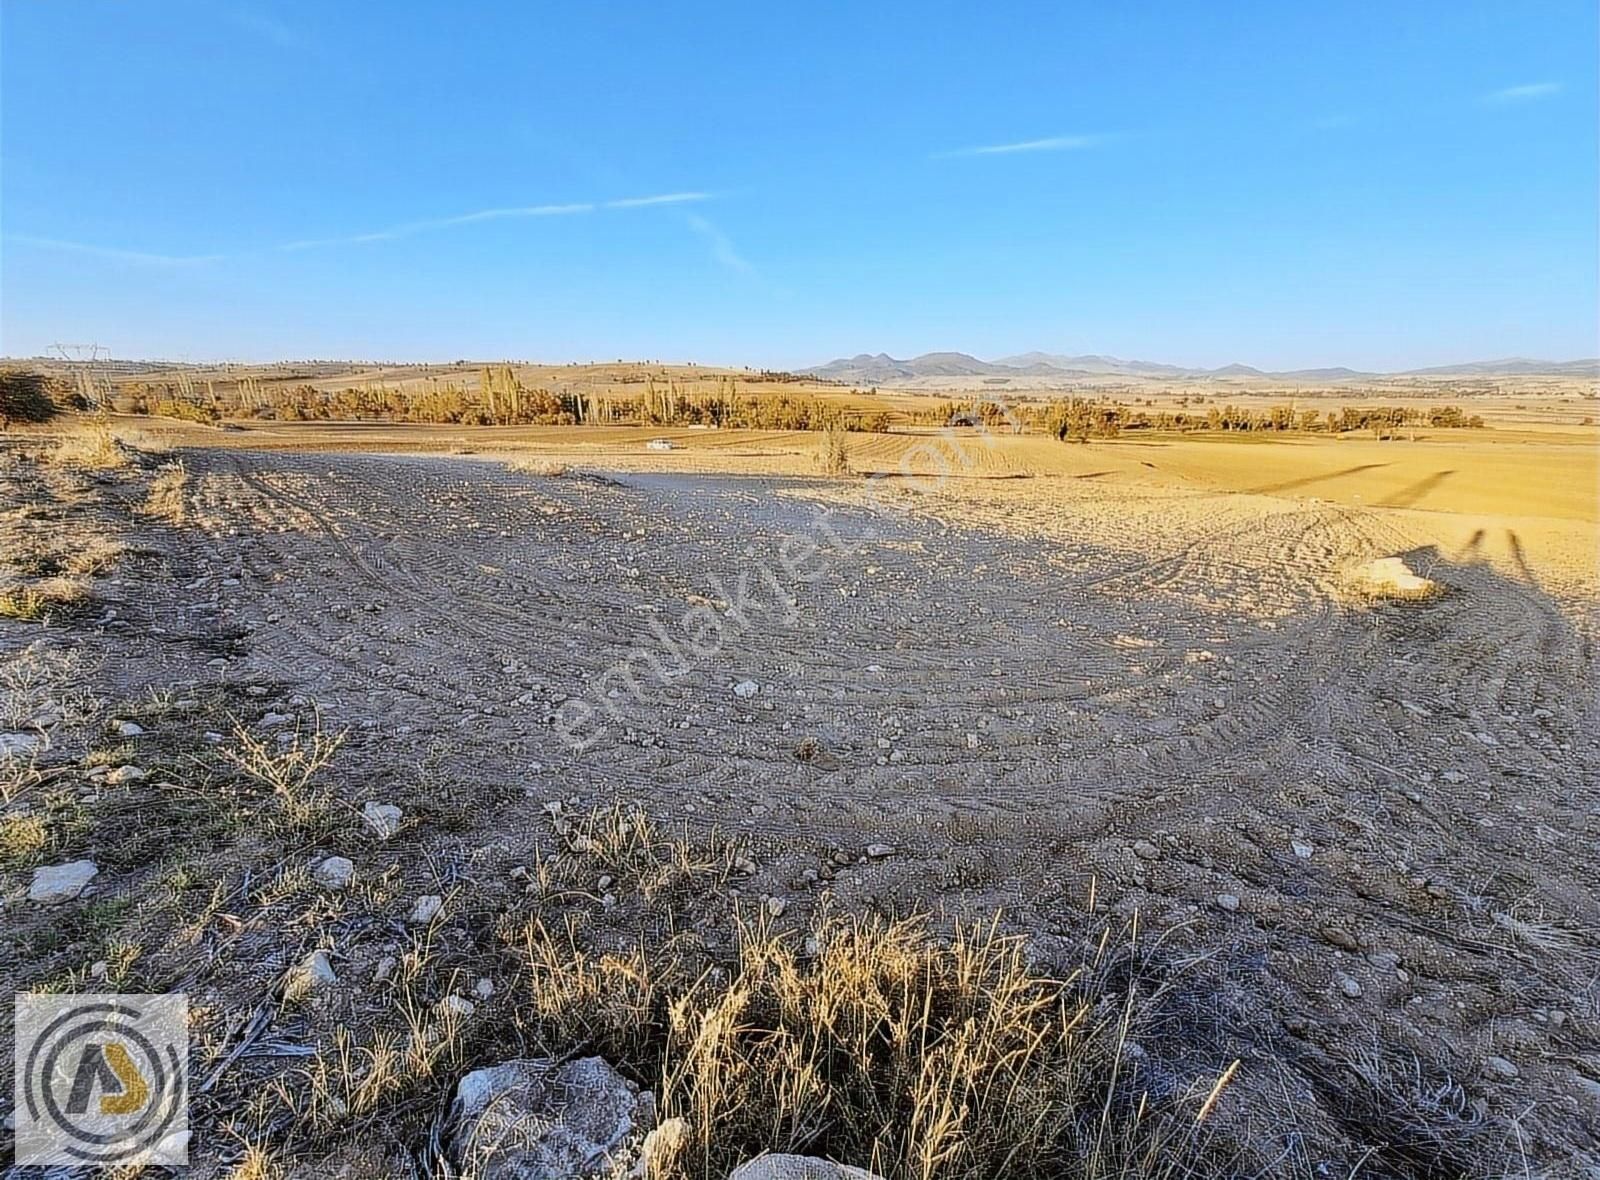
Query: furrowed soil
column 1062, row 682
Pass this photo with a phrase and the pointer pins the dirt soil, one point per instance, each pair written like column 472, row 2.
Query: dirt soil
column 1370, row 828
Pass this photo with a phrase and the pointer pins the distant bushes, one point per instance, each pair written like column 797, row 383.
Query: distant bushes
column 500, row 399
column 1077, row 419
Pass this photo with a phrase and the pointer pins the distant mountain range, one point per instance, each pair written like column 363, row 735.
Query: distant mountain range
column 883, row 369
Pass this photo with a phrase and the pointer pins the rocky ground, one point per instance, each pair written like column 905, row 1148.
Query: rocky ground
column 1353, row 841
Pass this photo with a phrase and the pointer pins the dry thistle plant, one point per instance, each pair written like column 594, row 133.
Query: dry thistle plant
column 45, row 679
column 288, row 769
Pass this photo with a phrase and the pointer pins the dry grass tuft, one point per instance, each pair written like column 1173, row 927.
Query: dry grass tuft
column 44, row 599
column 871, row 1042
column 257, row 1164
column 23, row 604
column 23, row 837
column 167, row 497
column 626, row 844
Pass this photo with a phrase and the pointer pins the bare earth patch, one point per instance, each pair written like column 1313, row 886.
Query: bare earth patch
column 461, row 732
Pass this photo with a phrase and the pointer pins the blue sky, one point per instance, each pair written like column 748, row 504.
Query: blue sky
column 1381, row 185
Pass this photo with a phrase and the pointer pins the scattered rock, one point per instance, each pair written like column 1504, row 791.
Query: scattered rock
column 19, row 745
column 813, row 752
column 1501, row 1068
column 54, row 884
column 1228, row 901
column 382, row 818
column 746, row 689
column 1302, row 849
column 385, row 969
column 776, row 906
column 127, row 729
column 335, row 873
column 125, row 774
column 315, row 971
column 774, row 1166
column 879, row 851
column 1348, row 986
column 426, row 909
column 1384, row 960
column 1145, row 850
column 1340, row 937
column 531, row 1119
column 273, row 720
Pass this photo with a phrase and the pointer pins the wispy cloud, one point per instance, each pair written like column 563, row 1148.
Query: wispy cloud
column 140, row 257
column 658, row 199
column 578, row 208
column 388, row 233
column 1526, row 92
column 721, row 247
column 1055, row 143
column 263, row 25
column 410, row 228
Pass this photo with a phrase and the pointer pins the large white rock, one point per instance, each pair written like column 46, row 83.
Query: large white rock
column 534, row 1119
column 1390, row 577
column 776, row 1166
column 54, row 884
